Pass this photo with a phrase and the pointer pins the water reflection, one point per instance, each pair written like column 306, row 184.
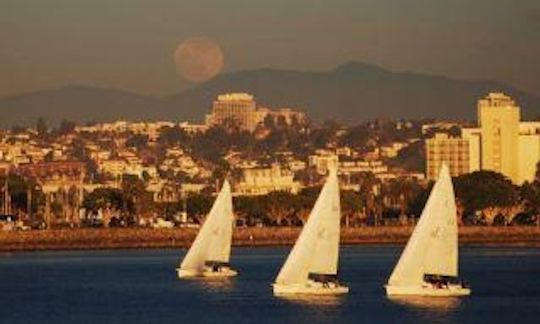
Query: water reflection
column 313, row 301
column 439, row 304
column 216, row 284
column 315, row 309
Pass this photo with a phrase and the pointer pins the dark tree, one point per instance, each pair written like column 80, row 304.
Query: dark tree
column 356, row 137
column 199, row 205
column 41, row 127
column 103, row 198
column 138, row 141
column 173, row 136
column 138, row 200
column 411, row 158
column 483, row 189
column 66, row 127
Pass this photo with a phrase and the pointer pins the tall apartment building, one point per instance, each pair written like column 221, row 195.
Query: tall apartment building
column 501, row 143
column 529, row 150
column 240, row 110
column 236, row 108
column 498, row 118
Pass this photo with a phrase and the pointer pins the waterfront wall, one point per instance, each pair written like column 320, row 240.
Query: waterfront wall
column 119, row 238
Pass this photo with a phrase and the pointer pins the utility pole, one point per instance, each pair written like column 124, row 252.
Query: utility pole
column 7, row 196
column 29, row 202
column 48, row 210
column 184, row 218
column 4, row 197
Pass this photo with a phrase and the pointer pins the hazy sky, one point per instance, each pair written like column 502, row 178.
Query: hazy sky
column 129, row 44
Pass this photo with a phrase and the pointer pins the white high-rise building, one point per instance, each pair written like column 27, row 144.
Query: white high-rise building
column 235, row 109
column 501, row 143
column 241, row 111
column 498, row 118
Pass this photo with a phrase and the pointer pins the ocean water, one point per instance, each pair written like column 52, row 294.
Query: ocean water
column 140, row 286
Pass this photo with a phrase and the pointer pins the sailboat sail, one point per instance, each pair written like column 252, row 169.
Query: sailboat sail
column 317, row 248
column 213, row 243
column 433, row 246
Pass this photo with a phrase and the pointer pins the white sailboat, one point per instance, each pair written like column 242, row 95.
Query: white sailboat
column 210, row 252
column 429, row 264
column 312, row 265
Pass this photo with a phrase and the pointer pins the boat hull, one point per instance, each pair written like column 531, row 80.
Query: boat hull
column 450, row 291
column 207, row 273
column 307, row 289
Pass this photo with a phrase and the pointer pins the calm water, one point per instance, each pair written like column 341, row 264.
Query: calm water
column 141, row 287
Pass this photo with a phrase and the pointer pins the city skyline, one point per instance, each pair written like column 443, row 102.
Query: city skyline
column 143, row 142
column 131, row 45
column 263, row 151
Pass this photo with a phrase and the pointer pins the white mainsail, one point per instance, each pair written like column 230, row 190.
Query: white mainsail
column 433, row 246
column 317, row 248
column 213, row 243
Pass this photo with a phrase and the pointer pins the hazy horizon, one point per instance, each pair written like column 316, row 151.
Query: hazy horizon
column 190, row 85
column 130, row 44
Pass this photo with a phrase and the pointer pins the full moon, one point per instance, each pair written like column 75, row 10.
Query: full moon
column 198, row 59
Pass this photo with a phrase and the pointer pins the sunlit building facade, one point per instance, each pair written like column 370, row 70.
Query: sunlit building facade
column 452, row 151
column 498, row 119
column 239, row 110
column 261, row 181
column 500, row 143
column 235, row 109
column 529, row 150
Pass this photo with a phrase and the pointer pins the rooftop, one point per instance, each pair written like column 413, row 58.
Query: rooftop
column 235, row 96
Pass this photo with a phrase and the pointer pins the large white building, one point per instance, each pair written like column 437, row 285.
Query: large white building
column 528, row 150
column 498, row 119
column 501, row 143
column 240, row 110
column 235, row 109
column 261, row 181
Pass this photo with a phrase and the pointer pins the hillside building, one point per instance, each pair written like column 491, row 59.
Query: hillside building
column 241, row 111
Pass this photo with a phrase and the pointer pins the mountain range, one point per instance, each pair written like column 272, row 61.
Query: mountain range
column 350, row 93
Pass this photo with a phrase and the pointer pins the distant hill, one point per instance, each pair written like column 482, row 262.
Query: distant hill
column 349, row 93
column 356, row 91
column 78, row 103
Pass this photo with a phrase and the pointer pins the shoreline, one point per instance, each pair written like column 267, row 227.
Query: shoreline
column 147, row 238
